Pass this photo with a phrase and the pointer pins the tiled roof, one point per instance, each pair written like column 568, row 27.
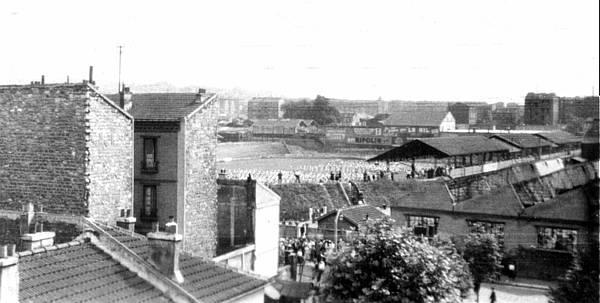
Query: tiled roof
column 204, row 279
column 416, row 118
column 559, row 137
column 164, row 106
column 411, row 194
column 571, row 205
column 80, row 272
column 442, row 147
column 523, row 140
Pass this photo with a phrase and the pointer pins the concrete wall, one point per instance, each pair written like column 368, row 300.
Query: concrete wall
column 266, row 228
column 110, row 166
column 66, row 148
column 200, row 193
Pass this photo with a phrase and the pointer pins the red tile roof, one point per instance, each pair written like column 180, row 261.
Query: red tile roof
column 80, row 272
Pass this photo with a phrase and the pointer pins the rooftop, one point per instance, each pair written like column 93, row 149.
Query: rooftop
column 416, row 118
column 283, row 122
column 442, row 147
column 165, row 106
column 524, row 140
column 356, row 214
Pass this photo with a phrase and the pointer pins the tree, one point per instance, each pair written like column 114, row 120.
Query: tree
column 482, row 253
column 381, row 265
column 580, row 282
column 318, row 110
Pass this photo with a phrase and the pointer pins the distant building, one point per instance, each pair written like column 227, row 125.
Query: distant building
column 578, row 107
column 508, row 117
column 265, row 108
column 421, row 122
column 369, row 107
column 351, row 119
column 463, row 113
column 541, row 109
column 283, row 127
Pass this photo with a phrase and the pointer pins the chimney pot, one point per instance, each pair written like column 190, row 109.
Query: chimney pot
column 43, row 80
column 122, row 212
column 171, row 226
column 3, row 251
column 129, row 212
column 11, row 249
column 91, row 77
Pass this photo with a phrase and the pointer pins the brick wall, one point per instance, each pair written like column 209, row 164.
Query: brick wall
column 63, row 146
column 110, row 162
column 200, row 205
column 42, row 147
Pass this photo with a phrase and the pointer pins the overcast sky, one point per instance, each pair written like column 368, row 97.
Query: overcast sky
column 411, row 50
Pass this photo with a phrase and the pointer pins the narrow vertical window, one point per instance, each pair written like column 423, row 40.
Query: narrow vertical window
column 149, row 210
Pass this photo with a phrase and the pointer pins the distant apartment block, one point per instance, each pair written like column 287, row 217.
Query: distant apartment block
column 472, row 113
column 541, row 109
column 578, row 107
column 265, row 108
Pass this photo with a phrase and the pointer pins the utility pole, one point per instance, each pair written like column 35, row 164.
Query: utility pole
column 120, row 53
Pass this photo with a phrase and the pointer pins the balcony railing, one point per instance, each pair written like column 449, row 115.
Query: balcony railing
column 149, row 167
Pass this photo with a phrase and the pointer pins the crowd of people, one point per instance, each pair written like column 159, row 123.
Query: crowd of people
column 301, row 252
column 340, row 170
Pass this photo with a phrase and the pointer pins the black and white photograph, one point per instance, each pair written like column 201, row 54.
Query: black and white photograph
column 301, row 151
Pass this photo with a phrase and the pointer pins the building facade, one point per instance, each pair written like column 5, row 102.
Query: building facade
column 541, row 109
column 175, row 165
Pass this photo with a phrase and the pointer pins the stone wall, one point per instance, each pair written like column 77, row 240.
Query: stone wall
column 110, row 160
column 64, row 147
column 42, row 147
column 200, row 175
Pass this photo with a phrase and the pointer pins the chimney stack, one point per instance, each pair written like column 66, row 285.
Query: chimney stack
column 32, row 232
column 125, row 98
column 164, row 250
column 199, row 95
column 43, row 80
column 91, row 77
column 126, row 220
column 9, row 274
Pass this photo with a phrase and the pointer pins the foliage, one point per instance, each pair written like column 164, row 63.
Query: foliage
column 382, row 265
column 482, row 253
column 318, row 110
column 580, row 282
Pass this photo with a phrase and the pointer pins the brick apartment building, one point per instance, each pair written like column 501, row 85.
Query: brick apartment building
column 175, row 164
column 541, row 109
column 265, row 108
column 68, row 150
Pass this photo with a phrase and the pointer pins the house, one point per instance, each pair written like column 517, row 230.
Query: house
column 175, row 164
column 265, row 108
column 107, row 263
column 66, row 148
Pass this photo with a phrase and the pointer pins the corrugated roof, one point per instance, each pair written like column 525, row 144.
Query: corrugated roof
column 80, row 273
column 204, row 279
column 164, row 106
column 442, row 147
column 416, row 118
column 523, row 140
column 559, row 137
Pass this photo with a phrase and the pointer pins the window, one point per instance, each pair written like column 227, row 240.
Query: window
column 421, row 225
column 149, row 209
column 556, row 238
column 149, row 164
column 485, row 227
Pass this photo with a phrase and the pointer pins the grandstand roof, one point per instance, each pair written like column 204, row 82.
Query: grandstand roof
column 442, row 147
column 523, row 140
column 559, row 137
